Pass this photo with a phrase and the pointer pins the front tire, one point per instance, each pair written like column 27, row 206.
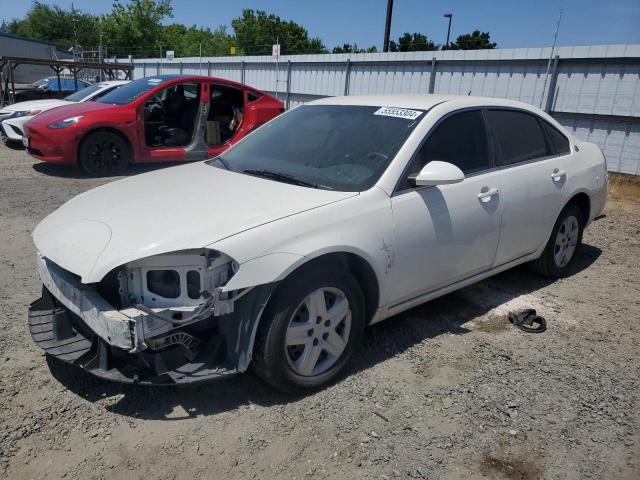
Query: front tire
column 309, row 330
column 561, row 250
column 104, row 154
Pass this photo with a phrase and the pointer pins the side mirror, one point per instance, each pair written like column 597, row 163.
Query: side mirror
column 438, row 173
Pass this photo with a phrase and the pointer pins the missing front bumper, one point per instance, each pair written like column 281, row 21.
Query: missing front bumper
column 67, row 337
column 217, row 348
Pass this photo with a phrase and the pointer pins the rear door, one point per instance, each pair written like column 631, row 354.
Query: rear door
column 531, row 156
column 226, row 119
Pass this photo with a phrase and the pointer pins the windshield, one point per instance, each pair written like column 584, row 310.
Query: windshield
column 84, row 93
column 129, row 92
column 66, row 84
column 335, row 147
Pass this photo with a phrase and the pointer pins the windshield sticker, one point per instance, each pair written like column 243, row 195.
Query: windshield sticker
column 398, row 113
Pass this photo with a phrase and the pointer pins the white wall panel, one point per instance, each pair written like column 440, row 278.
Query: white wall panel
column 594, row 83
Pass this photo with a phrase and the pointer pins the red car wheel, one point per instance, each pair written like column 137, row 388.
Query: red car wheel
column 104, row 154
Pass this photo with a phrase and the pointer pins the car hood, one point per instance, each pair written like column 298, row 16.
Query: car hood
column 71, row 109
column 34, row 105
column 189, row 206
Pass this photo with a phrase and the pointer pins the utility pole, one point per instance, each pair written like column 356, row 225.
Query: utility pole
column 101, row 55
column 277, row 62
column 75, row 31
column 449, row 16
column 387, row 26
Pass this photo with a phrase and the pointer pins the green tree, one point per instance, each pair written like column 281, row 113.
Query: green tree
column 348, row 48
column 473, row 41
column 416, row 42
column 256, row 31
column 187, row 41
column 55, row 24
column 136, row 28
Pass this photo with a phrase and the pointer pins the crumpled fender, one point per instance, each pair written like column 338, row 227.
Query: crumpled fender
column 263, row 269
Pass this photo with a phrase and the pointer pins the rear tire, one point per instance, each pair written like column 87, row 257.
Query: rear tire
column 563, row 246
column 104, row 154
column 309, row 330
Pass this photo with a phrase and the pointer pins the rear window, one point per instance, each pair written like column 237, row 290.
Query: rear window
column 84, row 93
column 519, row 136
column 558, row 143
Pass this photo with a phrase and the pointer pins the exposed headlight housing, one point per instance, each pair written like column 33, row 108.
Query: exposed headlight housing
column 174, row 279
column 67, row 122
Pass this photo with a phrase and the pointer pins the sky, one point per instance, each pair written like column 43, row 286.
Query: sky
column 512, row 24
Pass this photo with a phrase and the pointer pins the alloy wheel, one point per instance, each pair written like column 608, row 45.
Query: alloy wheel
column 566, row 241
column 318, row 331
column 105, row 156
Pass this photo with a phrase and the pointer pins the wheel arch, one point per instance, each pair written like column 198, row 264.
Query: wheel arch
column 278, row 266
column 361, row 270
column 583, row 201
column 109, row 129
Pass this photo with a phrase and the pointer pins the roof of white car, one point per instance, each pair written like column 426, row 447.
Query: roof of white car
column 422, row 101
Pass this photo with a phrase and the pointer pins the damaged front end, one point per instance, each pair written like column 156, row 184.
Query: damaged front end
column 164, row 319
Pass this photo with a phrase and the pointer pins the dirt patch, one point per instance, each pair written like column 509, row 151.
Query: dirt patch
column 624, row 187
column 511, row 468
column 494, row 324
column 450, row 381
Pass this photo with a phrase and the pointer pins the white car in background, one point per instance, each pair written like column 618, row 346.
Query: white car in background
column 13, row 117
column 335, row 215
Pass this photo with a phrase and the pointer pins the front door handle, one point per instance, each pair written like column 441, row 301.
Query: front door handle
column 486, row 196
column 557, row 175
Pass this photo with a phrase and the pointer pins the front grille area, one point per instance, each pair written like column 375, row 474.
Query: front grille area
column 35, row 151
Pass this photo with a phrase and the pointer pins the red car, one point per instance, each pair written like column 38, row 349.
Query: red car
column 163, row 118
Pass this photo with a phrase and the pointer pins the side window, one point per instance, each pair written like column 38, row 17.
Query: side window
column 460, row 139
column 558, row 143
column 253, row 96
column 191, row 90
column 518, row 136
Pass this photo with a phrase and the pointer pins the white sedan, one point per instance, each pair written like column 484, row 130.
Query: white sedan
column 13, row 117
column 334, row 216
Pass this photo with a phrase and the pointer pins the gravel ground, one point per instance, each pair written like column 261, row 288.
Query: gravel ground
column 446, row 390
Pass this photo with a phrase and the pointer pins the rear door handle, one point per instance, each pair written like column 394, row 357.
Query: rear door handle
column 486, row 196
column 557, row 175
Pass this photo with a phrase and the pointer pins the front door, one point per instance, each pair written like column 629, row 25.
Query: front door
column 171, row 120
column 446, row 233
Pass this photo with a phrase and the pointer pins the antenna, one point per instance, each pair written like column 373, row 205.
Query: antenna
column 553, row 48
